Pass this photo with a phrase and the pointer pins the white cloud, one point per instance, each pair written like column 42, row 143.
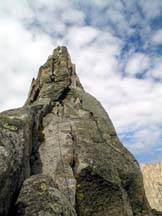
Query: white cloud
column 142, row 137
column 98, row 3
column 81, row 36
column 21, row 9
column 137, row 64
column 151, row 9
column 54, row 16
column 31, row 29
column 156, row 71
column 21, row 54
column 73, row 16
column 157, row 37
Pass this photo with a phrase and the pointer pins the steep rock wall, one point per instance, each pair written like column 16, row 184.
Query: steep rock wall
column 61, row 154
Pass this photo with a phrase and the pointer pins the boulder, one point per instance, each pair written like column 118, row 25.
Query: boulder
column 39, row 195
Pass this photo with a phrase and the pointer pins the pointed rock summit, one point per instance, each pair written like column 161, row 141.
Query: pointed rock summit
column 60, row 154
column 55, row 78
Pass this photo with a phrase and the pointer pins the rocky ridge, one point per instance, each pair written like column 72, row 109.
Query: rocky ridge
column 152, row 175
column 60, row 154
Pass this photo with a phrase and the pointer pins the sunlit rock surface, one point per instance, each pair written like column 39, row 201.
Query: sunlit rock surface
column 152, row 175
column 60, row 154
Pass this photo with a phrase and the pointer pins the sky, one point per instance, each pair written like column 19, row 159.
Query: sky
column 117, row 49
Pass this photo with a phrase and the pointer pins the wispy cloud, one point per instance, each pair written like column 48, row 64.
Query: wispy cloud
column 157, row 37
column 138, row 63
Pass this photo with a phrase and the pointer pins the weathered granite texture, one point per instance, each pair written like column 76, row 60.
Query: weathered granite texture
column 152, row 175
column 41, row 196
column 60, row 154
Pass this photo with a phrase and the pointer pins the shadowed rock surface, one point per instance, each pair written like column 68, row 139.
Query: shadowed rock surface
column 60, row 155
column 152, row 175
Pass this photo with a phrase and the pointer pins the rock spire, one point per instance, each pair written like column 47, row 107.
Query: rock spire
column 60, row 154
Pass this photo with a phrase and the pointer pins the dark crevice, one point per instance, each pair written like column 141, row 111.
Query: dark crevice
column 74, row 164
column 64, row 94
column 127, row 187
column 77, row 206
column 37, row 139
column 52, row 77
column 52, row 71
column 12, row 211
column 36, row 94
column 52, row 66
column 35, row 162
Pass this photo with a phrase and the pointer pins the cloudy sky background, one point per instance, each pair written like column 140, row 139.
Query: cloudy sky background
column 117, row 47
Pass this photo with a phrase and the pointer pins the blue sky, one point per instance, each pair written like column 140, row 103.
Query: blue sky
column 116, row 46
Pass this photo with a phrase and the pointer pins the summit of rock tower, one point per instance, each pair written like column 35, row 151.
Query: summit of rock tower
column 56, row 76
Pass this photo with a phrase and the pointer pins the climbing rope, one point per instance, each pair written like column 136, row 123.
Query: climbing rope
column 62, row 161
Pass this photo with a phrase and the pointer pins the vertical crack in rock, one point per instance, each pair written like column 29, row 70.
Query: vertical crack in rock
column 52, row 71
column 74, row 164
column 62, row 161
column 73, row 160
column 37, row 138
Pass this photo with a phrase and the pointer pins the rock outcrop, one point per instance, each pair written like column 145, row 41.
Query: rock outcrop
column 152, row 175
column 60, row 154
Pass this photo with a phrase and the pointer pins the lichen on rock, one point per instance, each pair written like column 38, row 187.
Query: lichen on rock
column 40, row 196
column 6, row 125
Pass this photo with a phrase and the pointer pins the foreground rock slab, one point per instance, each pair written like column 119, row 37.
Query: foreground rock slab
column 40, row 196
column 60, row 154
column 152, row 175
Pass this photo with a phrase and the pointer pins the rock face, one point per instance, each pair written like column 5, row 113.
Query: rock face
column 60, row 155
column 152, row 175
column 41, row 196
